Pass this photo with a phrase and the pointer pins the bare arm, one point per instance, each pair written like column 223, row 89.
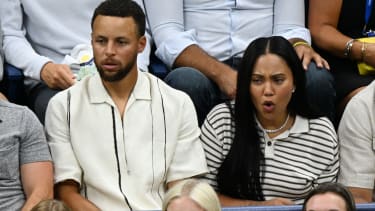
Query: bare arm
column 229, row 201
column 223, row 75
column 323, row 19
column 361, row 195
column 37, row 182
column 68, row 191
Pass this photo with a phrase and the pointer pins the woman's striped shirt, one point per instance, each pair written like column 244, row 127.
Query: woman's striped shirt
column 296, row 161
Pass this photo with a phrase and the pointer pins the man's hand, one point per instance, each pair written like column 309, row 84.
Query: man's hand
column 227, row 82
column 306, row 54
column 57, row 76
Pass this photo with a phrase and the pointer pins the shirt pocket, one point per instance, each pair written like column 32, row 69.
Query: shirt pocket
column 9, row 162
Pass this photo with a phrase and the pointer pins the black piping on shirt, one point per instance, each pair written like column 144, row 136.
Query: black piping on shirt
column 117, row 159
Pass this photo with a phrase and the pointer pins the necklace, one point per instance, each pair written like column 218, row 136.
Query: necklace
column 278, row 129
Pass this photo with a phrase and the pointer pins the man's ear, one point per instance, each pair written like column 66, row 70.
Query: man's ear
column 142, row 43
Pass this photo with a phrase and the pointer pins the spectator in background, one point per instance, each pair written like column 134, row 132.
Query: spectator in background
column 335, row 25
column 192, row 195
column 38, row 35
column 204, row 41
column 357, row 145
column 268, row 147
column 328, row 197
column 26, row 174
column 121, row 136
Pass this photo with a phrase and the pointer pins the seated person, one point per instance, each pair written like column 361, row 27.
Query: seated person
column 192, row 195
column 26, row 174
column 328, row 197
column 203, row 42
column 121, row 137
column 357, row 145
column 268, row 147
column 334, row 28
column 38, row 35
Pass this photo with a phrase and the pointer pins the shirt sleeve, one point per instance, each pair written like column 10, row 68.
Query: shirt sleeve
column 188, row 159
column 17, row 49
column 166, row 20
column 290, row 24
column 33, row 147
column 214, row 130
column 329, row 174
column 357, row 146
column 58, row 137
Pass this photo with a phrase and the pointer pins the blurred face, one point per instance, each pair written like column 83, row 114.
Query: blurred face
column 271, row 87
column 184, row 203
column 326, row 202
column 115, row 45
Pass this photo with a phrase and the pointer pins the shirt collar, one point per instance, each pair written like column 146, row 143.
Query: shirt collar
column 98, row 94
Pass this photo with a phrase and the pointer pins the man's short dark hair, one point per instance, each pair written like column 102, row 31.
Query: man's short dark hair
column 122, row 8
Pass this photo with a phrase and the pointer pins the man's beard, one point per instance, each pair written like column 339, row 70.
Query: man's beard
column 122, row 73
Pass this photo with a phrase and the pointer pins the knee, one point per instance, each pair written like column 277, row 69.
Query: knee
column 187, row 79
column 319, row 78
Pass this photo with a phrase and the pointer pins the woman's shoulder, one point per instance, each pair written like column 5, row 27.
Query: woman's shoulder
column 220, row 111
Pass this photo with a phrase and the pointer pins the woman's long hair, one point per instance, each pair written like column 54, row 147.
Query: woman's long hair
column 239, row 175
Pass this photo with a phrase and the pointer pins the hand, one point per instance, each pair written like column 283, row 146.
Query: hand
column 307, row 53
column 277, row 202
column 227, row 82
column 57, row 76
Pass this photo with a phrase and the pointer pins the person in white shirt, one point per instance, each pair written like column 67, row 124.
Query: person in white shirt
column 121, row 137
column 38, row 35
column 357, row 145
column 205, row 40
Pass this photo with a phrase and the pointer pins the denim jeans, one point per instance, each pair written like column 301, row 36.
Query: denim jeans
column 205, row 94
column 38, row 99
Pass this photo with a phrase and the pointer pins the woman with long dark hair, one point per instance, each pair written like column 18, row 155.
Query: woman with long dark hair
column 268, row 147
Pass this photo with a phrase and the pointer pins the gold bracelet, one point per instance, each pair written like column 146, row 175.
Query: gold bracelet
column 363, row 51
column 301, row 43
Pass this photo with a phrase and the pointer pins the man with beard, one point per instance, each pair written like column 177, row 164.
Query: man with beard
column 120, row 138
column 46, row 40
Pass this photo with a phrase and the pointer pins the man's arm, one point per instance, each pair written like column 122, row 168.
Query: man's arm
column 178, row 47
column 223, row 75
column 19, row 52
column 37, row 182
column 68, row 191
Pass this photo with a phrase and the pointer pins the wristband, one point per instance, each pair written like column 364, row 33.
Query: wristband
column 301, row 43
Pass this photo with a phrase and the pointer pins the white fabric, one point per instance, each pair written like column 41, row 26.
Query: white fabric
column 223, row 28
column 357, row 140
column 150, row 152
column 1, row 55
column 39, row 31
